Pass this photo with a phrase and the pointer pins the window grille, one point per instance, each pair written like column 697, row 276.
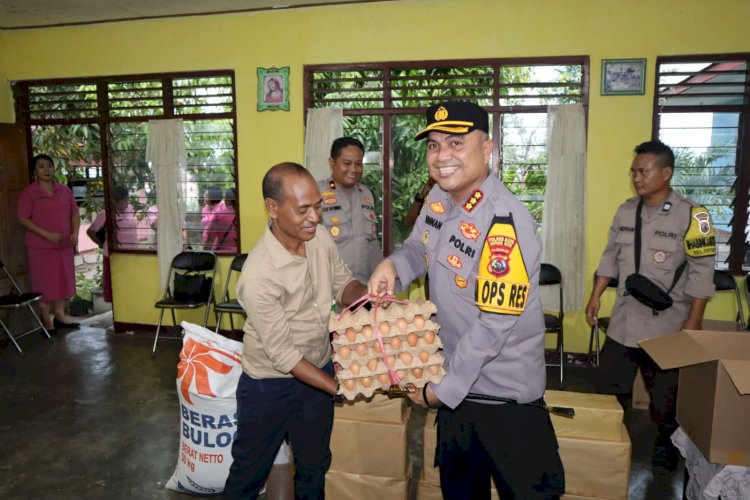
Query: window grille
column 701, row 111
column 66, row 119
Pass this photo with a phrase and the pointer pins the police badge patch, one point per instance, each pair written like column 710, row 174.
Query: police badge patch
column 437, row 207
column 502, row 284
column 699, row 239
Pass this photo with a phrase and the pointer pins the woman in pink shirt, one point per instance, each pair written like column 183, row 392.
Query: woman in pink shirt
column 127, row 231
column 48, row 212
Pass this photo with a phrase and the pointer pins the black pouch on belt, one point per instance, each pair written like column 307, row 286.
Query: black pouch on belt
column 642, row 288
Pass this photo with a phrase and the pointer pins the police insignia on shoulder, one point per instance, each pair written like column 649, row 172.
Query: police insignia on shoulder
column 699, row 239
column 502, row 284
column 473, row 200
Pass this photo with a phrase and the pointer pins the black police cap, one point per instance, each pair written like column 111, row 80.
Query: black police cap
column 456, row 118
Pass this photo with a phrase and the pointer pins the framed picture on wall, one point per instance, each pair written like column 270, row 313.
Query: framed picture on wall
column 623, row 76
column 273, row 89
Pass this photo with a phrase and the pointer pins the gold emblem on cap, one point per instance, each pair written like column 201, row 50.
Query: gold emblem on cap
column 441, row 114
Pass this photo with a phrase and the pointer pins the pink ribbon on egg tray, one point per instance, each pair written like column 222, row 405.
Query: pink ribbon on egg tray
column 359, row 304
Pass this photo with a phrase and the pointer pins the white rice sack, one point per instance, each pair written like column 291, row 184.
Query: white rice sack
column 207, row 377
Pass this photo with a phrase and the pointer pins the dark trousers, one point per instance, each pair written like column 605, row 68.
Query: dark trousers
column 267, row 411
column 618, row 365
column 513, row 444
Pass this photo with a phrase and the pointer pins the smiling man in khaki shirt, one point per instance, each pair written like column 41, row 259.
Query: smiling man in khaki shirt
column 286, row 288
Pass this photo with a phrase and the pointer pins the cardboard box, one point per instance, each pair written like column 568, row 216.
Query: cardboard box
column 596, row 468
column 430, row 473
column 713, row 399
column 347, row 486
column 378, row 408
column 597, row 416
column 370, row 448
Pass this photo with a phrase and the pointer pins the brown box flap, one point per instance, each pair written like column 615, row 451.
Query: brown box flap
column 739, row 372
column 690, row 347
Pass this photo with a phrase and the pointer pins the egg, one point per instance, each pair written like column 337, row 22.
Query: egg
column 366, row 381
column 349, row 384
column 367, row 331
column 361, row 349
column 424, row 356
column 412, row 339
column 372, row 364
column 344, row 352
column 390, row 361
column 429, row 336
column 385, row 328
column 376, row 347
column 383, row 379
column 351, row 334
column 406, row 358
column 402, row 325
column 355, row 367
column 417, row 372
column 434, row 369
column 395, row 343
column 418, row 321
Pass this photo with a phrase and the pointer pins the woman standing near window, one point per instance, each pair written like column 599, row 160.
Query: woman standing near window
column 48, row 212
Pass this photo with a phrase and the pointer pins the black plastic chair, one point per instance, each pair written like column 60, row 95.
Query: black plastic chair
column 553, row 323
column 199, row 262
column 228, row 305
column 15, row 300
column 602, row 324
column 725, row 282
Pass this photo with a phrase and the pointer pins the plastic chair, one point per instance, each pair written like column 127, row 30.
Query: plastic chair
column 553, row 323
column 601, row 324
column 200, row 262
column 229, row 305
column 16, row 300
column 746, row 286
column 725, row 282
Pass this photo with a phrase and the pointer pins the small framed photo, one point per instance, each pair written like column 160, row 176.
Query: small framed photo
column 273, row 89
column 623, row 76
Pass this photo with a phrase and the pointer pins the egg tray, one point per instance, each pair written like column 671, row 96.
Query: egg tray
column 372, row 353
column 346, row 373
column 392, row 313
column 378, row 386
column 345, row 336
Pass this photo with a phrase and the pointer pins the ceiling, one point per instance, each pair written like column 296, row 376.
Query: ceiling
column 20, row 14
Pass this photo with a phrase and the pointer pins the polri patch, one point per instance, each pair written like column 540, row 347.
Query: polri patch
column 335, row 231
column 329, row 201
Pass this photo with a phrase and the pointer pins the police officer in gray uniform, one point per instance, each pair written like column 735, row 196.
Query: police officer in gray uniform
column 677, row 250
column 349, row 209
column 480, row 246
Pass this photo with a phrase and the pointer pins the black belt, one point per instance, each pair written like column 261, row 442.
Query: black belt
column 539, row 403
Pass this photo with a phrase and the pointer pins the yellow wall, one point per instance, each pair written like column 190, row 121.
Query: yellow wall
column 403, row 30
column 6, row 104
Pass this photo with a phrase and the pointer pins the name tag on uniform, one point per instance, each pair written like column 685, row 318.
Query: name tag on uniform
column 502, row 284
